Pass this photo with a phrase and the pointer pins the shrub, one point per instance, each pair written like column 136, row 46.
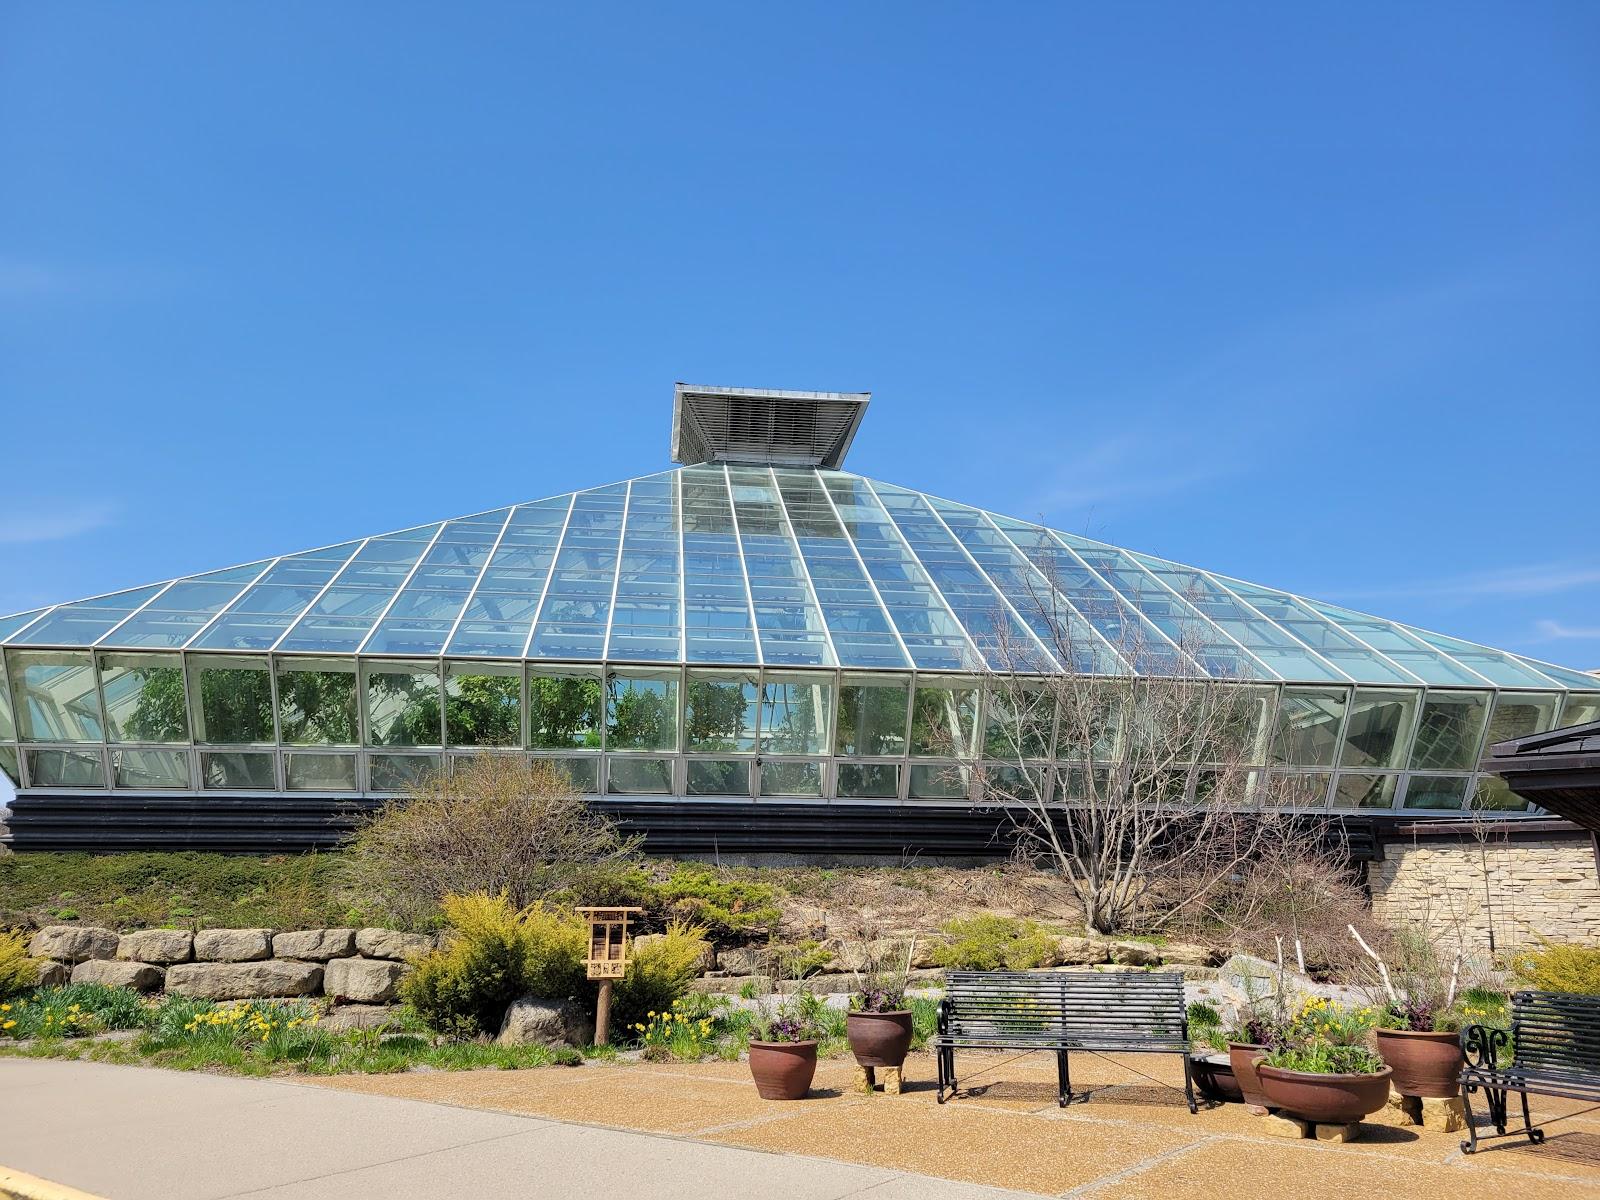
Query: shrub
column 659, row 973
column 727, row 908
column 494, row 825
column 496, row 953
column 1560, row 967
column 990, row 943
column 18, row 972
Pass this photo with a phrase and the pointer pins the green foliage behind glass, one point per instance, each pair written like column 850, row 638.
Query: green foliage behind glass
column 483, row 710
column 564, row 713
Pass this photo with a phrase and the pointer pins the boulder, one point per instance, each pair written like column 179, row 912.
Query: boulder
column 363, row 980
column 1135, row 954
column 73, row 943
column 1186, row 954
column 142, row 977
column 314, row 945
column 52, row 973
column 162, row 946
column 390, row 943
column 745, row 960
column 360, row 1016
column 232, row 945
column 534, row 1021
column 1083, row 951
column 255, row 980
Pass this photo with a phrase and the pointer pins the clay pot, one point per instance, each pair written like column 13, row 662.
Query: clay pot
column 1325, row 1099
column 1425, row 1063
column 783, row 1070
column 1241, row 1057
column 1215, row 1080
column 879, row 1039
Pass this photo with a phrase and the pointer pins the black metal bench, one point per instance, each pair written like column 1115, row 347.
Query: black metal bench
column 1122, row 1012
column 1552, row 1049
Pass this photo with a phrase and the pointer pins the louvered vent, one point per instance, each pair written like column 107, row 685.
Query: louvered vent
column 749, row 425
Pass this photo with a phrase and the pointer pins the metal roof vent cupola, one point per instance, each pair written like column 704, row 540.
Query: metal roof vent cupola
column 763, row 427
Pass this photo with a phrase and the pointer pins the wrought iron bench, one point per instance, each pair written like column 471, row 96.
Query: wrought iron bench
column 1112, row 1012
column 1552, row 1049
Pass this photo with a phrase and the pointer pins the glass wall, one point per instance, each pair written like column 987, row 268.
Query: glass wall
column 403, row 706
column 720, row 712
column 1517, row 714
column 317, row 702
column 145, row 768
column 1450, row 731
column 55, row 695
column 795, row 710
column 1310, row 726
column 872, row 716
column 232, row 699
column 1379, row 728
column 483, row 704
column 564, row 710
column 642, row 710
column 144, row 698
column 944, row 718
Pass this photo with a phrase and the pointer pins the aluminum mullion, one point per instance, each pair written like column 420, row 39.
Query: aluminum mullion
column 1126, row 603
column 1227, row 591
column 1351, row 634
column 228, row 607
column 43, row 613
column 382, row 616
column 616, row 574
column 323, row 591
column 805, row 569
column 550, row 573
column 444, row 647
column 683, row 598
column 844, row 533
column 749, row 596
column 162, row 591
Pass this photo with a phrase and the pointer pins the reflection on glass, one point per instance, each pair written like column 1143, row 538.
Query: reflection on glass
column 791, row 779
column 1364, row 791
column 1580, row 709
column 1449, row 733
column 234, row 770
column 563, row 709
column 233, row 700
column 719, row 777
column 317, row 702
column 402, row 704
column 144, row 698
column 320, row 772
column 1240, row 725
column 400, row 772
column 584, row 773
column 1435, row 791
column 9, row 766
column 1517, row 714
column 1379, row 728
column 719, row 711
column 794, row 713
column 483, row 705
column 56, row 699
column 642, row 710
column 150, row 768
column 8, row 726
column 1309, row 724
column 949, row 781
column 1300, row 789
column 1019, row 722
column 869, row 781
column 944, row 720
column 1493, row 795
column 65, row 769
column 639, row 776
column 872, row 716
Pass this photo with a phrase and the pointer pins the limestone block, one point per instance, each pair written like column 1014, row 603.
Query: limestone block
column 1339, row 1133
column 232, row 945
column 1135, row 954
column 52, row 973
column 1443, row 1114
column 161, row 946
column 1083, row 951
column 360, row 1016
column 390, row 943
column 142, row 977
column 1285, row 1127
column 363, row 980
column 314, row 945
column 251, row 980
column 73, row 943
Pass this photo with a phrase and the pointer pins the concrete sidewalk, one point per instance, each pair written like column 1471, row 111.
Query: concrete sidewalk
column 134, row 1133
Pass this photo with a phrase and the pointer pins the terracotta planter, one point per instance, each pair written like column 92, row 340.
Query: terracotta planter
column 783, row 1070
column 879, row 1039
column 1241, row 1057
column 1215, row 1080
column 1424, row 1063
column 1325, row 1099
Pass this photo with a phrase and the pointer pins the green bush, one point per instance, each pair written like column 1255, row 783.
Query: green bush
column 992, row 943
column 728, row 908
column 18, row 972
column 659, row 973
column 1560, row 967
column 494, row 955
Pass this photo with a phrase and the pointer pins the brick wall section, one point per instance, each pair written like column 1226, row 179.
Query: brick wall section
column 1539, row 886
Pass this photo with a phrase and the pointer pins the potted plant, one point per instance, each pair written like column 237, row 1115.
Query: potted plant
column 1264, row 1020
column 1422, row 1046
column 783, row 1052
column 1323, row 1071
column 878, row 1025
column 1209, row 1061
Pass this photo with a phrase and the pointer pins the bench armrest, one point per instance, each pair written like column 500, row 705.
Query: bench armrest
column 944, row 1016
column 1481, row 1046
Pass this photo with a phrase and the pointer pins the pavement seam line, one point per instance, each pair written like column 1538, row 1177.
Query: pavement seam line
column 1138, row 1168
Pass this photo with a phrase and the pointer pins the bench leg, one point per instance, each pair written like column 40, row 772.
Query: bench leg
column 1534, row 1135
column 1188, row 1084
column 946, row 1060
column 1470, row 1145
column 1063, row 1079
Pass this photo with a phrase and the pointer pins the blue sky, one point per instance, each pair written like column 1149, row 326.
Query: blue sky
column 1306, row 295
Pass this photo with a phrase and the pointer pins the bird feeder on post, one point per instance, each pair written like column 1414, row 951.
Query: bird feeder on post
column 608, row 959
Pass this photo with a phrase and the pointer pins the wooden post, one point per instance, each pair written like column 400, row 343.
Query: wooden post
column 602, row 1014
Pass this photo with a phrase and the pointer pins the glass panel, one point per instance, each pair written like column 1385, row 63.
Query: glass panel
column 1309, row 723
column 1020, row 723
column 946, row 781
column 563, row 709
column 1300, row 789
column 150, row 768
column 1364, row 791
column 1379, row 729
column 56, row 699
column 65, row 769
column 402, row 704
column 1580, row 709
column 944, row 720
column 144, row 698
column 794, row 713
column 639, row 776
column 320, row 772
column 872, row 716
column 225, row 770
column 8, row 765
column 400, row 772
column 1493, row 795
column 483, row 705
column 1435, row 791
column 233, row 700
column 719, row 711
column 642, row 710
column 868, row 781
column 317, row 702
column 791, row 779
column 10, row 625
column 584, row 772
column 1450, row 731
column 719, row 777
column 1517, row 714
column 8, row 726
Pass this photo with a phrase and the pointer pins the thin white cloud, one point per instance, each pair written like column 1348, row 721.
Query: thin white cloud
column 1555, row 631
column 1538, row 579
column 54, row 522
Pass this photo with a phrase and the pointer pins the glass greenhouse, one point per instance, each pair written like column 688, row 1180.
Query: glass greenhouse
column 756, row 624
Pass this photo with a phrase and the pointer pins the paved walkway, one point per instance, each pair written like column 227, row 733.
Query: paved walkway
column 132, row 1133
